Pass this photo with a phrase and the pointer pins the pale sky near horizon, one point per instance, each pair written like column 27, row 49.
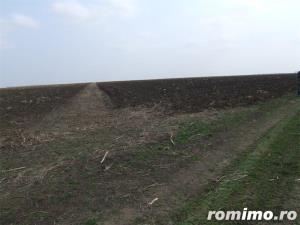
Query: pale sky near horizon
column 70, row 41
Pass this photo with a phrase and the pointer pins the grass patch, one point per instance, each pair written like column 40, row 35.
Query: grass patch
column 91, row 222
column 259, row 180
column 199, row 128
column 227, row 120
column 188, row 130
column 193, row 131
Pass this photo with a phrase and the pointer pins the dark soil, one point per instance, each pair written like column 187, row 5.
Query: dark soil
column 20, row 105
column 194, row 94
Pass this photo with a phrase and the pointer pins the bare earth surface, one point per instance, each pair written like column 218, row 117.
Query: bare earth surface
column 82, row 161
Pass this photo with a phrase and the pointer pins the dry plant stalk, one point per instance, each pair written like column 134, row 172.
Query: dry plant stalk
column 171, row 139
column 104, row 157
column 14, row 169
column 152, row 202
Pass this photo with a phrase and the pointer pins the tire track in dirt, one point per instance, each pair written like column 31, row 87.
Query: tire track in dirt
column 192, row 180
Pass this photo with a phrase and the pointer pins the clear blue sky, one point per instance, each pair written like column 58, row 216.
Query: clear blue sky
column 66, row 41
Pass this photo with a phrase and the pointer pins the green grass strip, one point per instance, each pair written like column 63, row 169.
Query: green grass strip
column 259, row 180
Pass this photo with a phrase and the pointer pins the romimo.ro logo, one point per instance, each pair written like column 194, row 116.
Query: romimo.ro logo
column 247, row 215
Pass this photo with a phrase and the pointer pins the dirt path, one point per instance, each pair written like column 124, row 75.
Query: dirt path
column 193, row 179
column 88, row 108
